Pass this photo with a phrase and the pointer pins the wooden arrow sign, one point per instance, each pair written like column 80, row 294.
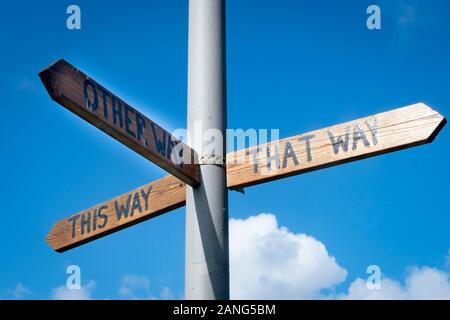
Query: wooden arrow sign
column 121, row 212
column 367, row 137
column 385, row 132
column 83, row 96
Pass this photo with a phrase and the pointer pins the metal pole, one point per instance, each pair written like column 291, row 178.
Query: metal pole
column 207, row 262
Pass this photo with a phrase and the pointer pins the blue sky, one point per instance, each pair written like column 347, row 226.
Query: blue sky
column 292, row 65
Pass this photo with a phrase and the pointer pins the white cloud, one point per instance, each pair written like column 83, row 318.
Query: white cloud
column 63, row 293
column 428, row 283
column 135, row 287
column 166, row 294
column 421, row 283
column 390, row 290
column 269, row 262
column 19, row 292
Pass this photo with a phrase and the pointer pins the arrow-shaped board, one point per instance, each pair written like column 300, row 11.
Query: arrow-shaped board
column 367, row 137
column 116, row 214
column 385, row 132
column 83, row 96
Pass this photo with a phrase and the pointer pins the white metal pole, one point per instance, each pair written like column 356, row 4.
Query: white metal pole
column 207, row 262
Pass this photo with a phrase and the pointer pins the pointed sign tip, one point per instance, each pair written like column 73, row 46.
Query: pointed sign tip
column 50, row 242
column 52, row 245
column 47, row 76
column 47, row 80
column 438, row 129
column 441, row 121
column 424, row 105
column 50, row 238
column 59, row 61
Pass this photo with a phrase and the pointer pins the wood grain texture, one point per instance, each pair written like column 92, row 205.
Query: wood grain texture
column 80, row 94
column 126, row 210
column 385, row 132
column 366, row 137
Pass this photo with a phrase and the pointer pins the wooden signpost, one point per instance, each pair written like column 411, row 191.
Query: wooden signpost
column 374, row 135
column 83, row 96
column 205, row 191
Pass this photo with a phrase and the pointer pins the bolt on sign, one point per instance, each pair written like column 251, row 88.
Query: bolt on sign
column 86, row 98
column 389, row 131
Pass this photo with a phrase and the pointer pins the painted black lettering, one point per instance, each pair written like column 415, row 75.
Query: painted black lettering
column 171, row 145
column 116, row 107
column 160, row 144
column 271, row 157
column 339, row 142
column 254, row 153
column 140, row 126
column 373, row 128
column 122, row 210
column 94, row 220
column 307, row 140
column 74, row 219
column 105, row 103
column 103, row 216
column 90, row 105
column 289, row 153
column 85, row 222
column 136, row 204
column 128, row 121
column 358, row 134
column 146, row 195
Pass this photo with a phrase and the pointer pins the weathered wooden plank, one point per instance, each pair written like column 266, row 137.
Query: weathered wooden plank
column 135, row 206
column 385, row 132
column 83, row 96
column 377, row 134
